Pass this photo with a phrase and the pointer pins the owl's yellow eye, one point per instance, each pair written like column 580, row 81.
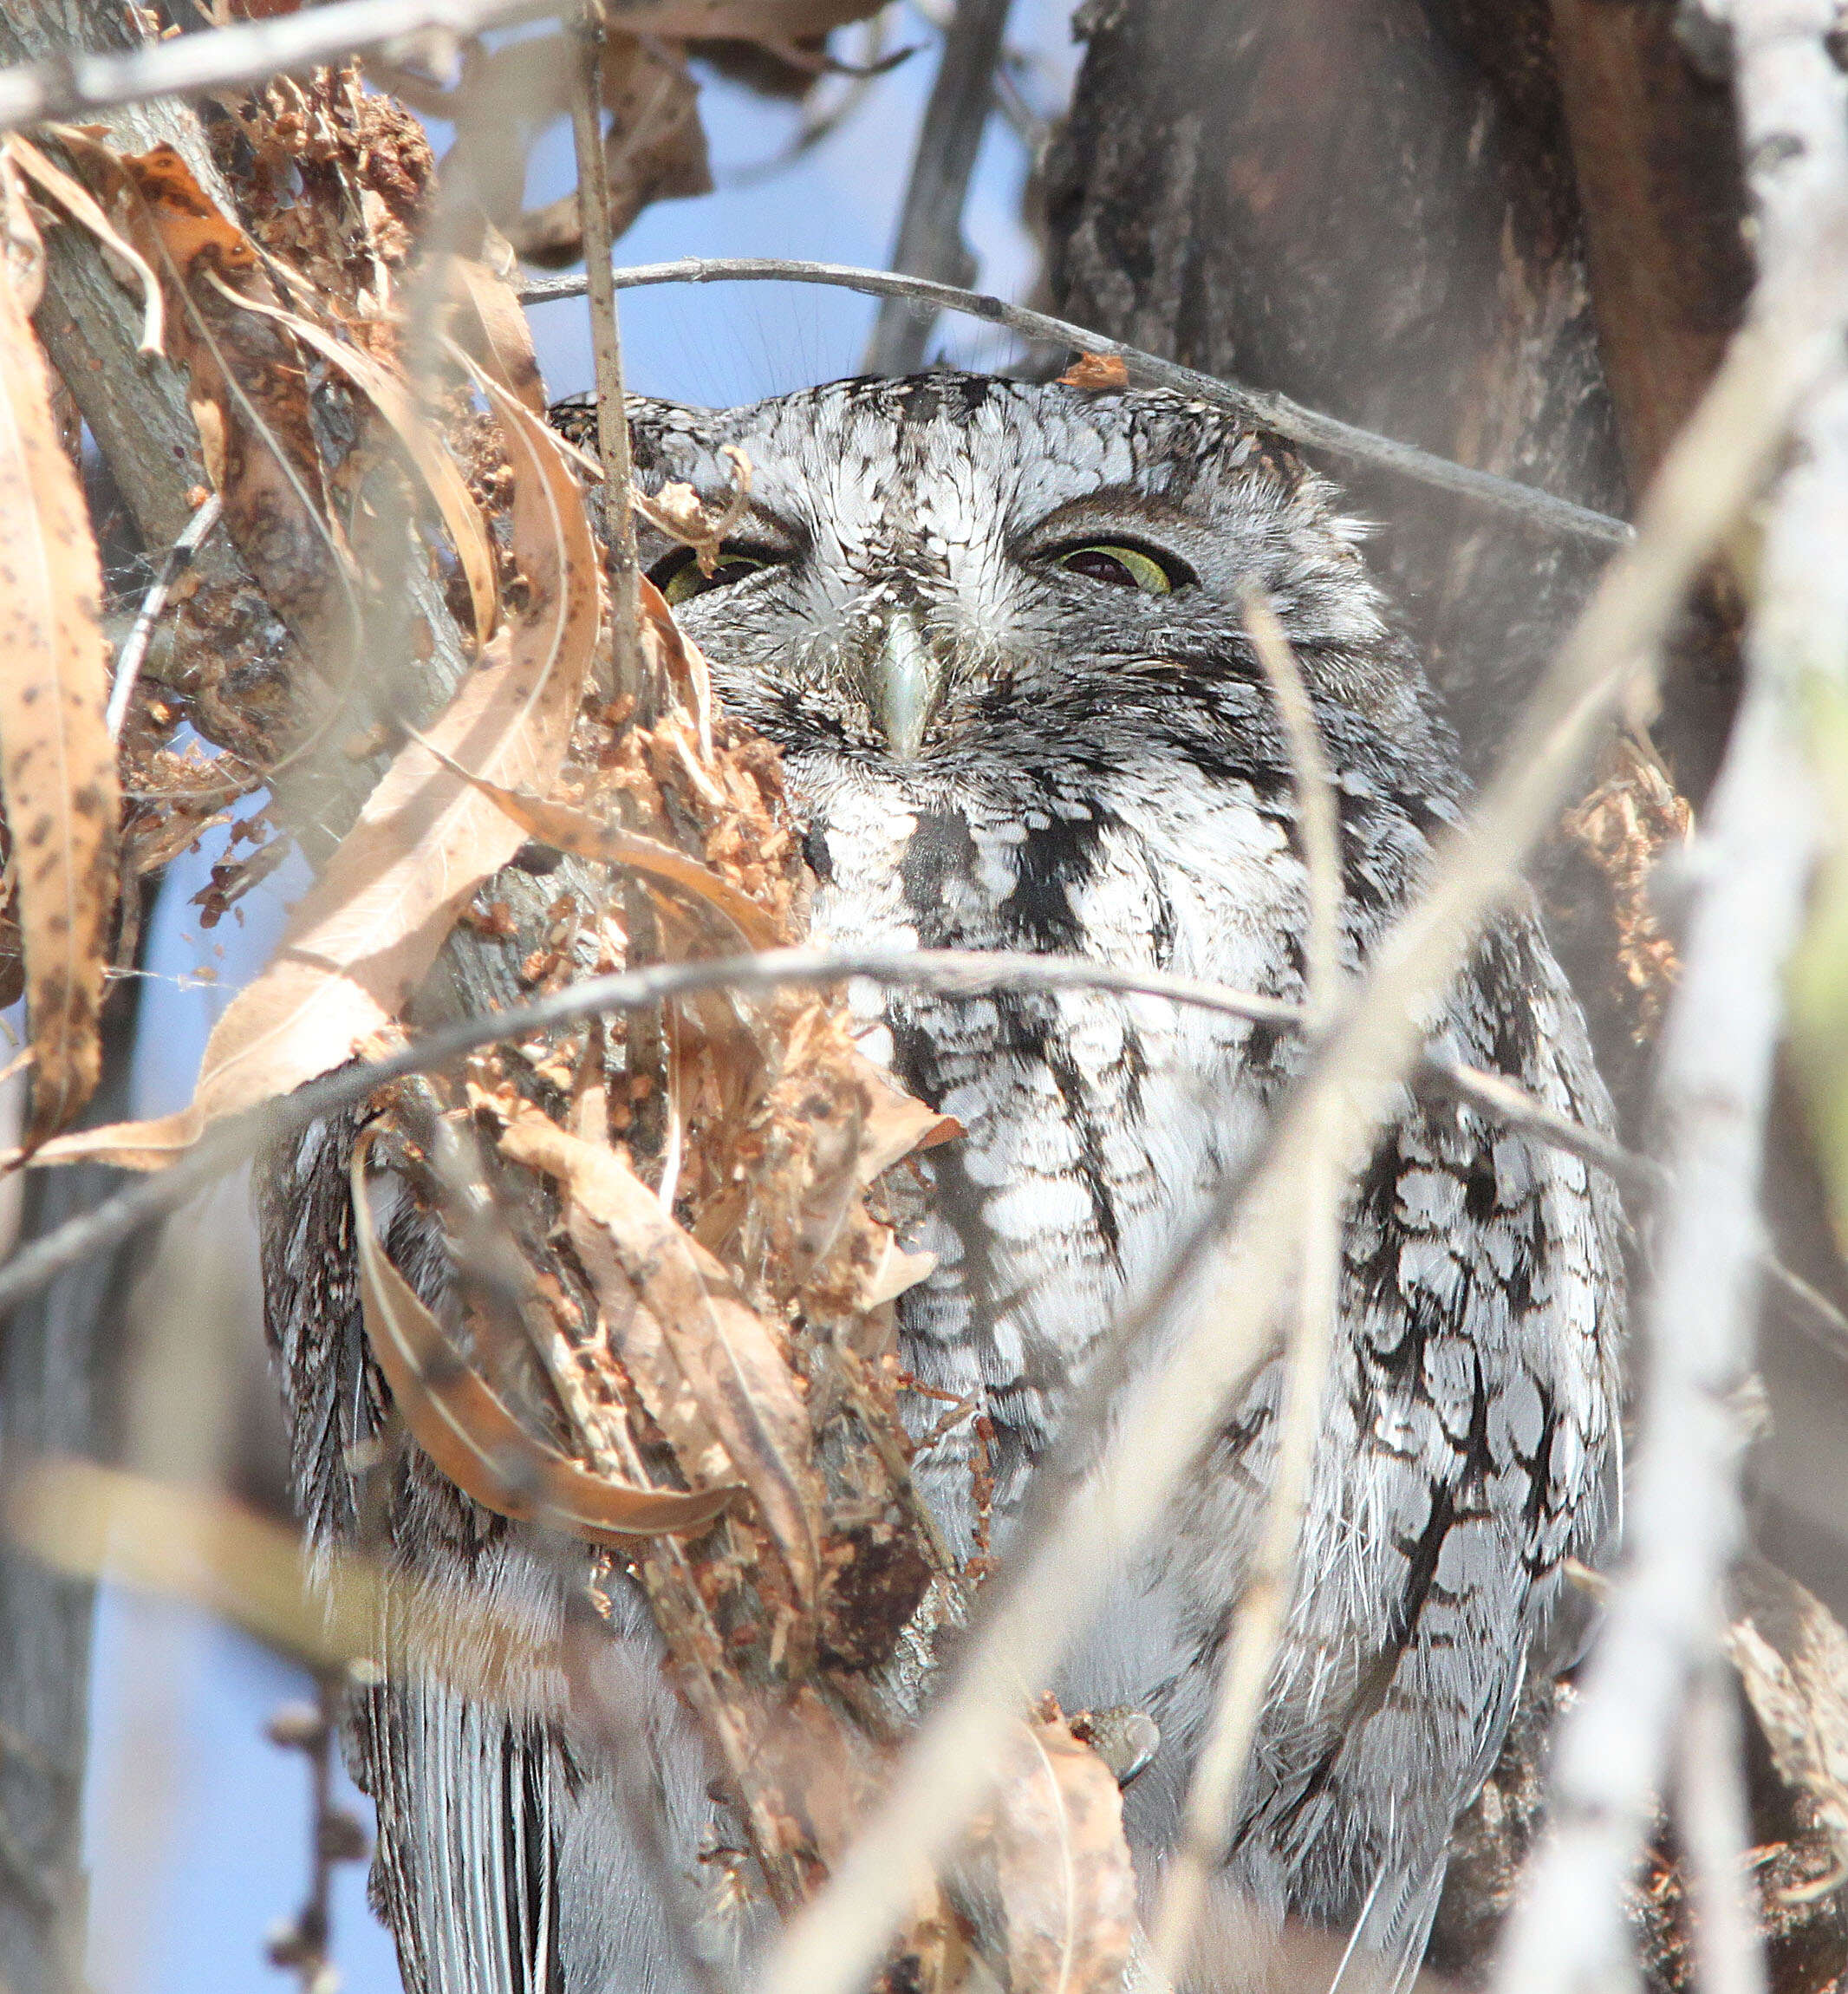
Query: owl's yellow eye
column 678, row 578
column 1122, row 567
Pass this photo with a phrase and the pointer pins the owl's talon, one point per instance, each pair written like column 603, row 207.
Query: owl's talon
column 1126, row 1739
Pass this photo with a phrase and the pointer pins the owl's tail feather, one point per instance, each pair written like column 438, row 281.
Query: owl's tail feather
column 509, row 1858
column 1389, row 1937
column 466, row 1868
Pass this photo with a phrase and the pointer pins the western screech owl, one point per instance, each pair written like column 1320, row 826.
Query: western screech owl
column 996, row 630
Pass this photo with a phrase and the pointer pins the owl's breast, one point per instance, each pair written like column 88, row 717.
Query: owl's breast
column 1094, row 1122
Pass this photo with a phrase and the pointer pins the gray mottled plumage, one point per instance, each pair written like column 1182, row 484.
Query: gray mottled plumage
column 995, row 749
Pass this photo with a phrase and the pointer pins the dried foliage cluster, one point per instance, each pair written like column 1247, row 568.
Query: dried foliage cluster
column 683, row 1354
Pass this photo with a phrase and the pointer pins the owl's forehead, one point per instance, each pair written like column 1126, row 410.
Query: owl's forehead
column 954, row 458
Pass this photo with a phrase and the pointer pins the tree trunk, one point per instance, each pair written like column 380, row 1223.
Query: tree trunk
column 58, row 1373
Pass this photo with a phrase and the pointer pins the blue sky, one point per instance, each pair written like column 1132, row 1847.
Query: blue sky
column 195, row 1825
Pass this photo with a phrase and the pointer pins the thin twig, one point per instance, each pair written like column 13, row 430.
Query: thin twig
column 1249, row 1653
column 1317, row 814
column 154, row 607
column 1208, row 1307
column 72, row 87
column 1265, row 411
column 948, row 973
column 930, row 242
column 1684, row 1515
column 606, row 346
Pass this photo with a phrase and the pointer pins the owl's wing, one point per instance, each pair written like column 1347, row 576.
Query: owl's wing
column 511, row 1858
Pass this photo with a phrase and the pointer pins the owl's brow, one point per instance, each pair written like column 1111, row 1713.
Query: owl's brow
column 1276, row 413
column 945, row 972
column 1077, row 514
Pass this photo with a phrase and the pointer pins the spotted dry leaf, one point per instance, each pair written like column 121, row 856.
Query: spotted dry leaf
column 361, row 939
column 466, row 1430
column 58, row 765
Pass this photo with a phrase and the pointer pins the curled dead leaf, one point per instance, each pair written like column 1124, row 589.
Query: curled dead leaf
column 1626, row 824
column 362, row 938
column 57, row 764
column 22, row 247
column 470, row 1434
column 655, row 148
column 723, row 1348
column 679, row 512
column 1791, row 1655
column 488, row 325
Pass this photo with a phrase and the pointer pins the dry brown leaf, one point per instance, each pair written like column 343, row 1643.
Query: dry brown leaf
column 363, row 937
column 248, row 393
column 897, row 1125
column 470, row 1434
column 565, row 828
column 390, row 395
column 1063, row 1872
column 1793, row 1656
column 1100, row 372
column 724, row 1349
column 57, row 764
column 492, row 328
column 1626, row 824
column 82, row 206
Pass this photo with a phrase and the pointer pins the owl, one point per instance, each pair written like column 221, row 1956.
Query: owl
column 995, row 629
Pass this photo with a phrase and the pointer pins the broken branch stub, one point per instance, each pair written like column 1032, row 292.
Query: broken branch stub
column 57, row 764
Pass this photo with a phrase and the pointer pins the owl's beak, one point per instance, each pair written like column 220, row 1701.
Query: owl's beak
column 904, row 687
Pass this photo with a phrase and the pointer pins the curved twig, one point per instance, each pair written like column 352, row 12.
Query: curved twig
column 1273, row 412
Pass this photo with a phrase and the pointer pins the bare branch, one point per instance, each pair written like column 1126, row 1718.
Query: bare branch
column 606, row 346
column 1715, row 1832
column 948, row 973
column 1273, row 412
column 930, row 241
column 1685, row 1520
column 154, row 607
column 1250, row 1650
column 77, row 86
column 1318, row 815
